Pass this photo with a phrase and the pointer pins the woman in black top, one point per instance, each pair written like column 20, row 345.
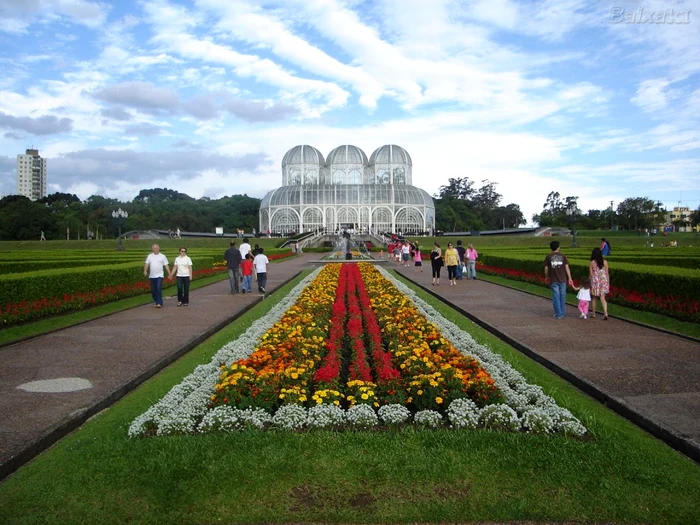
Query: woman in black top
column 436, row 263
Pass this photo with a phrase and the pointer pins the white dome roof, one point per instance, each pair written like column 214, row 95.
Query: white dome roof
column 390, row 154
column 347, row 155
column 303, row 155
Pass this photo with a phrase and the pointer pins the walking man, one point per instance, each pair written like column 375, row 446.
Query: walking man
column 233, row 259
column 153, row 269
column 556, row 275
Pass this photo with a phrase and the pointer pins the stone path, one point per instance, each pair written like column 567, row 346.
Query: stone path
column 648, row 376
column 51, row 384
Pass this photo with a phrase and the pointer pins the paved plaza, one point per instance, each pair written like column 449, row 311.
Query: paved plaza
column 50, row 385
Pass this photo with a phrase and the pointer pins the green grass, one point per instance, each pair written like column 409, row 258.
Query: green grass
column 586, row 239
column 97, row 475
column 135, row 245
column 646, row 318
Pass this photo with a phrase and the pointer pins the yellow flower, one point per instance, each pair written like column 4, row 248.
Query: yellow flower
column 420, row 392
column 438, row 400
column 365, row 396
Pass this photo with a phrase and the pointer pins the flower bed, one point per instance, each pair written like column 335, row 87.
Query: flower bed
column 332, row 352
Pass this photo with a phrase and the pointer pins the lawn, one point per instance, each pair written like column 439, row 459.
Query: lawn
column 97, row 475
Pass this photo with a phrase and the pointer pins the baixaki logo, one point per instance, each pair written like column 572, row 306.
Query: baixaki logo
column 620, row 15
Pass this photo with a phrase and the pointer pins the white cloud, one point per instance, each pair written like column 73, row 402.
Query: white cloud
column 17, row 16
column 171, row 25
column 652, row 95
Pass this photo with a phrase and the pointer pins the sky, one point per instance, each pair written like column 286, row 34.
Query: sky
column 599, row 100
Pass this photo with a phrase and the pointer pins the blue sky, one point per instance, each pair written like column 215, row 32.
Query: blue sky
column 595, row 99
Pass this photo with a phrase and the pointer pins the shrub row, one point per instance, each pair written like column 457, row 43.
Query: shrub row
column 32, row 264
column 679, row 282
column 628, row 288
column 34, row 295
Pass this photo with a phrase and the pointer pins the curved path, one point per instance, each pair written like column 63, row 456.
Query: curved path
column 651, row 377
column 648, row 376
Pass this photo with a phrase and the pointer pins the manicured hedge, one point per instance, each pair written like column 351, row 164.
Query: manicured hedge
column 639, row 277
column 33, row 295
column 668, row 291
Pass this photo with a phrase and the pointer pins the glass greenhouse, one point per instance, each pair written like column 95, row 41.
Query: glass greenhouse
column 347, row 192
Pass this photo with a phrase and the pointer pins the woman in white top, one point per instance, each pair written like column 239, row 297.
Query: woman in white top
column 182, row 266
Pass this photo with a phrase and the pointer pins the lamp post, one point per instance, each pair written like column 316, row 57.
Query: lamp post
column 573, row 212
column 120, row 216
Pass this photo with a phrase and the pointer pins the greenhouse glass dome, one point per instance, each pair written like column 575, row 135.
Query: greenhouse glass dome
column 346, row 191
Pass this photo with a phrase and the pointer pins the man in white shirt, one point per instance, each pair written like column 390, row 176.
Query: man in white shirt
column 153, row 269
column 244, row 248
column 260, row 262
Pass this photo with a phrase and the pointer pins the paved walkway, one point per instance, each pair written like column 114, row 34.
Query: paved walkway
column 651, row 377
column 115, row 354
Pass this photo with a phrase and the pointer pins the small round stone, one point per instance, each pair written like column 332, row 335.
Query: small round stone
column 58, row 385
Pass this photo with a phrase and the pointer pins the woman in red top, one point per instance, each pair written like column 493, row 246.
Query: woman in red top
column 247, row 273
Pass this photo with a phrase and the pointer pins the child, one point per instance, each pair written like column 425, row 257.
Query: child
column 247, row 273
column 584, row 297
column 417, row 260
column 261, row 261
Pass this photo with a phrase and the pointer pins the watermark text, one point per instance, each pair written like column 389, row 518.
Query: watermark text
column 620, row 15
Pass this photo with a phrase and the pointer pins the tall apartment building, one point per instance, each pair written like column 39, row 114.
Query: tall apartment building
column 31, row 175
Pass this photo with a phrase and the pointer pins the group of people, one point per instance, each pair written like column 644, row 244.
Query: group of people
column 457, row 259
column 242, row 263
column 593, row 287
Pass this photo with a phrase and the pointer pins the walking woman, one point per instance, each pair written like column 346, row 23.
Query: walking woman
column 451, row 261
column 182, row 266
column 600, row 281
column 436, row 263
column 471, row 256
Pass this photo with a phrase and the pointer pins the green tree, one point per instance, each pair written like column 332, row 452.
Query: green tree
column 461, row 188
column 23, row 220
column 637, row 212
column 695, row 217
column 553, row 211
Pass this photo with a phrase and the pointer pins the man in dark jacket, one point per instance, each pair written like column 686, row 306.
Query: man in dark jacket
column 232, row 256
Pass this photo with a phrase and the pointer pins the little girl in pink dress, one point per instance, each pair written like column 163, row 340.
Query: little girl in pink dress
column 584, row 297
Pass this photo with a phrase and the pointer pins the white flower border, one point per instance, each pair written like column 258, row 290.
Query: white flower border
column 181, row 409
column 526, row 399
column 184, row 409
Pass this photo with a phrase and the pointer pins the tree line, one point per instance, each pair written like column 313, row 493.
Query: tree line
column 459, row 206
column 61, row 214
column 633, row 213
